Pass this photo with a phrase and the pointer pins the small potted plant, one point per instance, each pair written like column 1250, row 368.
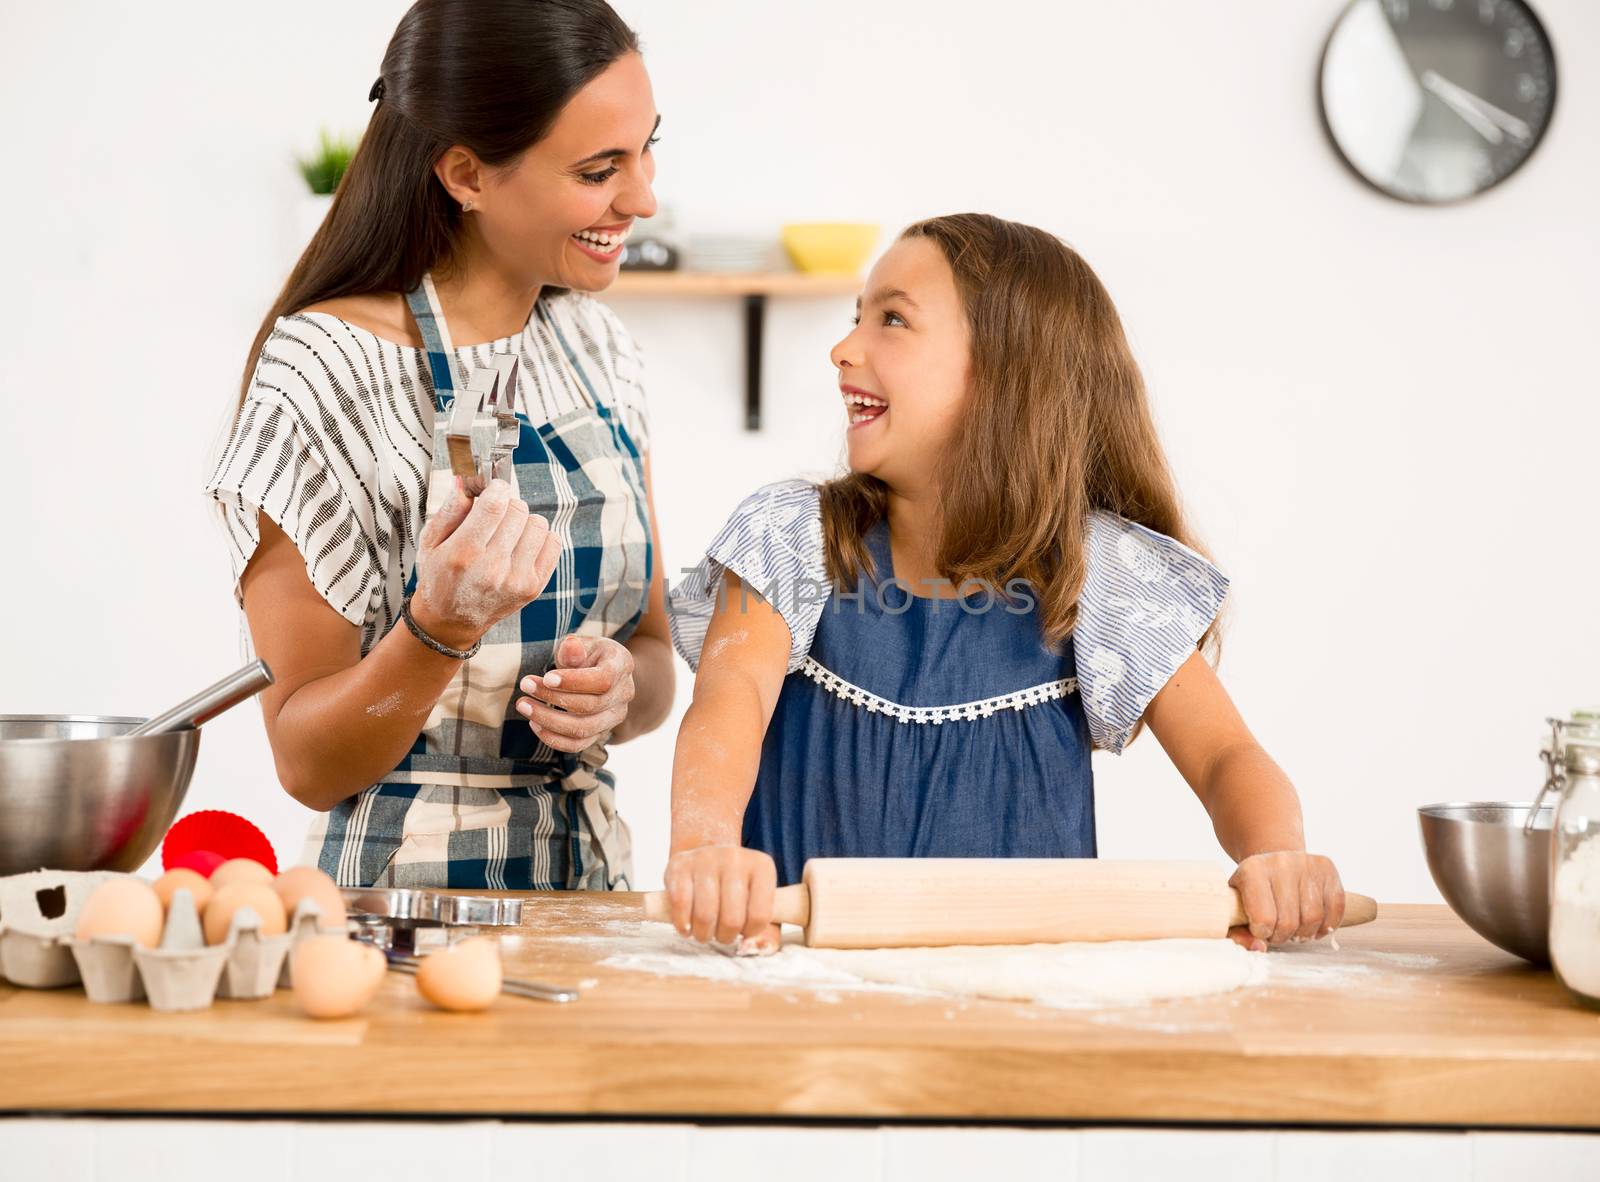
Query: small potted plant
column 322, row 171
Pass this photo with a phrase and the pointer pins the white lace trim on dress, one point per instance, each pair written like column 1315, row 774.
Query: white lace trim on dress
column 1021, row 699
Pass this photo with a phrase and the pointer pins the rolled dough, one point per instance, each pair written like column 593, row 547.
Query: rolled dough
column 1121, row 972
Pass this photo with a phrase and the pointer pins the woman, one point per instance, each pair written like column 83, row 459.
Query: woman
column 507, row 157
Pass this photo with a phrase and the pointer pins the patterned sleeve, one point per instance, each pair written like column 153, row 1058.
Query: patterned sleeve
column 773, row 541
column 280, row 460
column 1146, row 602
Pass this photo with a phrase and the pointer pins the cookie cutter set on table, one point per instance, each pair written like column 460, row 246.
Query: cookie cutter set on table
column 400, row 922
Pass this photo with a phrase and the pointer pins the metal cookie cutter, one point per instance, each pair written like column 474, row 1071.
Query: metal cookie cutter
column 399, row 922
column 483, row 430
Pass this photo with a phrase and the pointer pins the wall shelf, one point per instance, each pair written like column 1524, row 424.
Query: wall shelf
column 754, row 288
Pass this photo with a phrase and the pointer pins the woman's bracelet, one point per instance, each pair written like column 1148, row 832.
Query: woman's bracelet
column 459, row 654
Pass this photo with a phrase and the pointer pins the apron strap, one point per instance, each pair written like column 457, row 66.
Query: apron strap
column 618, row 435
column 445, row 367
column 572, row 358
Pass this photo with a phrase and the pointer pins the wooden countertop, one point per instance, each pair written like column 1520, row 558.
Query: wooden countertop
column 1416, row 1022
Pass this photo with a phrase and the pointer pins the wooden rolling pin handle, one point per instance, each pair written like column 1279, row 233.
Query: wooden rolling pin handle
column 1357, row 909
column 792, row 904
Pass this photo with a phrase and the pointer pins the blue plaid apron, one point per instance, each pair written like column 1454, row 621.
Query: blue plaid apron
column 480, row 801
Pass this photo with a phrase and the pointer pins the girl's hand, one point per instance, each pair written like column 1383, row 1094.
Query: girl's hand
column 1287, row 895
column 724, row 892
column 478, row 561
column 595, row 679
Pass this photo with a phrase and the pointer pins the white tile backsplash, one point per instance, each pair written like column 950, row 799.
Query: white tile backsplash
column 786, row 1154
column 965, row 1154
column 1535, row 1157
column 1134, row 1155
column 1373, row 1156
column 38, row 1148
column 135, row 1149
column 535, row 1151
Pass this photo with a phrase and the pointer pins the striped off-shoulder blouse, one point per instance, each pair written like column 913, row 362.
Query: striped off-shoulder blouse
column 334, row 441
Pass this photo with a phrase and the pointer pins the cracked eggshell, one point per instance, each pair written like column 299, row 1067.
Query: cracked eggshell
column 335, row 977
column 127, row 907
column 462, row 977
column 258, row 896
column 307, row 882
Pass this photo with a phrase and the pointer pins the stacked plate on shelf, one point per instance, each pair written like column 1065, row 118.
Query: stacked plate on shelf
column 731, row 252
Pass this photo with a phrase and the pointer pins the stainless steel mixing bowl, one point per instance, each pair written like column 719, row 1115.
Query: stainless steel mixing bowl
column 1493, row 875
column 75, row 794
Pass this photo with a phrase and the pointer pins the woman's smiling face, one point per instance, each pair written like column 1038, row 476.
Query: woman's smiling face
column 558, row 216
column 903, row 368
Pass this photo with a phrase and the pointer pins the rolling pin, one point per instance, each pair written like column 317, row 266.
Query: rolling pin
column 928, row 902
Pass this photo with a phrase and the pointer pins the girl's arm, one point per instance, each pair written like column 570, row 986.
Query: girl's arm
column 715, row 887
column 1287, row 893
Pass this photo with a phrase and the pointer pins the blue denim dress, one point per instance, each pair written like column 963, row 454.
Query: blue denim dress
column 921, row 727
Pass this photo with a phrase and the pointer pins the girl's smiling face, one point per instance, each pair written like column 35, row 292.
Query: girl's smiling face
column 903, row 368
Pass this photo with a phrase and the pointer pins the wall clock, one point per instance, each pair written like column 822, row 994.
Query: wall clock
column 1434, row 101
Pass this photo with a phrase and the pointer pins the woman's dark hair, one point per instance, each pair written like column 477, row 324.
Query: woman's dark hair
column 491, row 75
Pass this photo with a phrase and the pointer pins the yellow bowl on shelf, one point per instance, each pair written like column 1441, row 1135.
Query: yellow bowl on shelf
column 829, row 248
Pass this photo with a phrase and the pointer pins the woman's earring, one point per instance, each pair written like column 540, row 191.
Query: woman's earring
column 466, row 207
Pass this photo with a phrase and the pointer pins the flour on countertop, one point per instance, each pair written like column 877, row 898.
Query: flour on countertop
column 1070, row 976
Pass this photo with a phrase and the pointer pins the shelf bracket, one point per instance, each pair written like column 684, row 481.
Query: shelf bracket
column 755, row 315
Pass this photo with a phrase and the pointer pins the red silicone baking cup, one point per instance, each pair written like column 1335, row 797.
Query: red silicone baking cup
column 225, row 834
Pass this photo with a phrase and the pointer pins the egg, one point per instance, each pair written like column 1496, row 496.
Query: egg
column 199, row 888
column 335, row 977
column 202, row 862
column 240, row 870
column 127, row 907
column 307, row 882
column 464, row 976
column 258, row 896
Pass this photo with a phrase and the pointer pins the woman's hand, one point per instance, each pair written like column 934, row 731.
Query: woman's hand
column 724, row 892
column 479, row 560
column 584, row 696
column 1287, row 895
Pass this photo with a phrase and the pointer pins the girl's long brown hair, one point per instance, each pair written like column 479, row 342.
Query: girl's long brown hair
column 1056, row 425
column 491, row 75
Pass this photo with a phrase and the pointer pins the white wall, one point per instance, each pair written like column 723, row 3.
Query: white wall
column 1382, row 416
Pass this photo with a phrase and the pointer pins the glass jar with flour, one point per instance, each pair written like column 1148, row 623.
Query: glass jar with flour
column 1575, row 860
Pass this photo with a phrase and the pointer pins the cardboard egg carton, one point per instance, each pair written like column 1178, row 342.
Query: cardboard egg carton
column 37, row 911
column 182, row 973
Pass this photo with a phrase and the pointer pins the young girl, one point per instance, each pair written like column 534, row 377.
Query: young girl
column 916, row 659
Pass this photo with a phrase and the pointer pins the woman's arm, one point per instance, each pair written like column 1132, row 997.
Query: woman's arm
column 654, row 674
column 338, row 721
column 1254, row 809
column 335, row 722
